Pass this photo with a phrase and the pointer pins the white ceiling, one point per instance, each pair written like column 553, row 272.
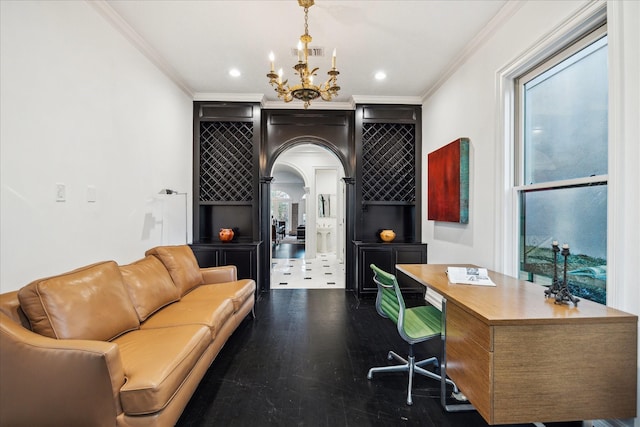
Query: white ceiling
column 416, row 43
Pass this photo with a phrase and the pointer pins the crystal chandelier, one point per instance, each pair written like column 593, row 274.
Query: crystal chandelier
column 305, row 91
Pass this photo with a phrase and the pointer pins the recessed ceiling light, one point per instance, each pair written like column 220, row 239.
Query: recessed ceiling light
column 234, row 72
column 380, row 75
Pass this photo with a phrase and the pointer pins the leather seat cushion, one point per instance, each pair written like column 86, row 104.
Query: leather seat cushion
column 156, row 362
column 88, row 303
column 212, row 313
column 182, row 265
column 238, row 291
column 149, row 285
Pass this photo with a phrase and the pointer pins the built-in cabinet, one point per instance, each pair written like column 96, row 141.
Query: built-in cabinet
column 243, row 255
column 226, row 149
column 388, row 196
column 386, row 256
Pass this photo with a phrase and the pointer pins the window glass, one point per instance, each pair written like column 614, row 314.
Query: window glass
column 565, row 123
column 576, row 216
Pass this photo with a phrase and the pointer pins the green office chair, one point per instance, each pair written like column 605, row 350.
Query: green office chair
column 415, row 325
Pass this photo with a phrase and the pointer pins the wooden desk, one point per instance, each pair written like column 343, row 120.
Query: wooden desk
column 521, row 358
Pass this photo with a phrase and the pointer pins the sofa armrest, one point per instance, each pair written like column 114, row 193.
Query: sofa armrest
column 225, row 273
column 45, row 381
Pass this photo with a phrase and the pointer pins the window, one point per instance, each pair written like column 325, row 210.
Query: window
column 280, row 206
column 562, row 134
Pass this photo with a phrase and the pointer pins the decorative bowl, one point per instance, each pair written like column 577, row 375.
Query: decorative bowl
column 387, row 235
column 226, row 234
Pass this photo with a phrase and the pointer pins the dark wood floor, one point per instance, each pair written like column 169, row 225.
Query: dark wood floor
column 304, row 361
column 288, row 250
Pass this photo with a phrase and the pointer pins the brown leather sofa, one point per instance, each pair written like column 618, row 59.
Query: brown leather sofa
column 109, row 345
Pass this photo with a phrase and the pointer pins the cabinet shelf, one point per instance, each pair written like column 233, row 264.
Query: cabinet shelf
column 387, row 203
column 230, row 203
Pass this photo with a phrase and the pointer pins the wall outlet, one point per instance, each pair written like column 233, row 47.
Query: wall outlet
column 61, row 192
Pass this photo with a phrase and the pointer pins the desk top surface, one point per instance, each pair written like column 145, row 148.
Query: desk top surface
column 511, row 301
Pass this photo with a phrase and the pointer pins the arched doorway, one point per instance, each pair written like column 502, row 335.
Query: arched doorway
column 307, row 209
column 332, row 130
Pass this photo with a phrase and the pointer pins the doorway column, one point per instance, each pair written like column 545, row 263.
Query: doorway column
column 350, row 232
column 265, row 233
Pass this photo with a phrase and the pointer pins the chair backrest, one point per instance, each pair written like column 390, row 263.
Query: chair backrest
column 413, row 326
column 389, row 301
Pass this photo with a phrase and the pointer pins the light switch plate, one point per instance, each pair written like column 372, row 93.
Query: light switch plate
column 91, row 194
column 61, row 192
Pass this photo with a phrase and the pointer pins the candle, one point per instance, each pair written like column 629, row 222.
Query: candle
column 271, row 58
column 300, row 51
column 333, row 59
column 280, row 75
column 555, row 243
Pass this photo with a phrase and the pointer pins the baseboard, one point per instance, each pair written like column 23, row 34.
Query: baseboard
column 600, row 423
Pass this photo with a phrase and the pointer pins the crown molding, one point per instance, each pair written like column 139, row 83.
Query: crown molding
column 315, row 105
column 503, row 15
column 229, row 97
column 400, row 100
column 122, row 26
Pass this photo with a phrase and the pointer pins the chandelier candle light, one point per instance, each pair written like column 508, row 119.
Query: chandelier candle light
column 305, row 91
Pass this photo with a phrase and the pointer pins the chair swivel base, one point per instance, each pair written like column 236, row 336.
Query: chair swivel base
column 411, row 366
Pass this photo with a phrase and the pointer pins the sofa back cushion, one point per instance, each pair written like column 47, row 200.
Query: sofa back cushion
column 182, row 265
column 149, row 285
column 88, row 303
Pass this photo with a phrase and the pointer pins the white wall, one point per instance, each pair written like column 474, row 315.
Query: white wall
column 465, row 106
column 468, row 104
column 81, row 106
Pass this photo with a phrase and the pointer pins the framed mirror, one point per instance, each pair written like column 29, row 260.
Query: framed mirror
column 326, row 205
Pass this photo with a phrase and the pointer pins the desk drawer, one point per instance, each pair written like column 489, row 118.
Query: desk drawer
column 469, row 361
column 469, row 326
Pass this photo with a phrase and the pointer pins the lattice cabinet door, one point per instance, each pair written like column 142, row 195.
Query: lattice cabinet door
column 226, row 162
column 388, row 162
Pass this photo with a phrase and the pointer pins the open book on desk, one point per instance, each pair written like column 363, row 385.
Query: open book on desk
column 469, row 276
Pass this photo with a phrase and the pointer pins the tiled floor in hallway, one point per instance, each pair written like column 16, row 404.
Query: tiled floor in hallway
column 323, row 272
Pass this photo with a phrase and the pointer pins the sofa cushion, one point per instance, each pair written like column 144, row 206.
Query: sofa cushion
column 210, row 312
column 149, row 285
column 239, row 291
column 182, row 265
column 156, row 362
column 88, row 303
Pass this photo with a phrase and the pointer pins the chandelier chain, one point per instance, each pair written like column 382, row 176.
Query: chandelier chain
column 306, row 21
column 305, row 91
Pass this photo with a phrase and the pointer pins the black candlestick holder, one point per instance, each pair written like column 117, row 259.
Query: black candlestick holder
column 563, row 296
column 555, row 285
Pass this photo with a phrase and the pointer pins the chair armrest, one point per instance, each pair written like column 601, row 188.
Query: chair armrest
column 225, row 273
column 45, row 381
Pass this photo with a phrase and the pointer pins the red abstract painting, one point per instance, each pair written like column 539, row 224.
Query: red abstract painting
column 448, row 182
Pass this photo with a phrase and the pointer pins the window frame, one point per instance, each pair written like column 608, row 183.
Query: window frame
column 587, row 38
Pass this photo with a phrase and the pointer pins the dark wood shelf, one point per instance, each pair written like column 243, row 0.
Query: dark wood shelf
column 385, row 203
column 229, row 203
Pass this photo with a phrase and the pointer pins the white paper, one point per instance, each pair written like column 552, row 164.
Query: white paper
column 469, row 276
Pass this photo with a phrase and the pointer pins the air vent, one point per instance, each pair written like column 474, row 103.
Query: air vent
column 313, row 51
